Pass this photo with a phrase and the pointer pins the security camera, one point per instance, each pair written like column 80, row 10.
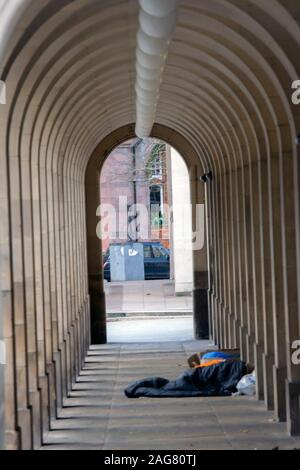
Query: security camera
column 298, row 139
column 207, row 176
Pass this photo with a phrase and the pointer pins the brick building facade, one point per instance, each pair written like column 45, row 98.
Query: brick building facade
column 139, row 169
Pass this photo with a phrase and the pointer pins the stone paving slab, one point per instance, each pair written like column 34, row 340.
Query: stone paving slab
column 151, row 330
column 97, row 415
column 145, row 297
column 165, row 443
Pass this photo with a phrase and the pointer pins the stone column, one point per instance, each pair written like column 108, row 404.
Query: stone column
column 182, row 226
column 277, row 229
column 211, row 206
column 169, row 151
column 259, row 301
column 3, row 213
column 200, row 291
column 291, row 173
column 96, row 290
column 210, row 260
column 8, row 414
column 230, row 275
column 2, row 362
column 268, row 353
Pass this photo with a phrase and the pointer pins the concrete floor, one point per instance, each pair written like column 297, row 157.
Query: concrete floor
column 97, row 415
column 145, row 330
column 144, row 297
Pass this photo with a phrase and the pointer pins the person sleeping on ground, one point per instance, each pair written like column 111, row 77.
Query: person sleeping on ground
column 219, row 378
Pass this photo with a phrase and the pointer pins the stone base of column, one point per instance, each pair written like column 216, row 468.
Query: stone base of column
column 98, row 318
column 223, row 325
column 200, row 308
column 58, row 379
column 44, row 390
column 2, row 410
column 243, row 342
column 65, row 376
column 35, row 402
column 50, row 372
column 268, row 363
column 235, row 344
column 12, row 440
column 250, row 341
column 279, row 376
column 259, row 371
column 25, row 423
column 293, row 407
column 214, row 315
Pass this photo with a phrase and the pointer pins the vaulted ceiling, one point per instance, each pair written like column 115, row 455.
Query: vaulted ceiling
column 69, row 67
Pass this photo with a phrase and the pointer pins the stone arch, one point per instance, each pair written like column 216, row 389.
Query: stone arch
column 92, row 191
column 69, row 71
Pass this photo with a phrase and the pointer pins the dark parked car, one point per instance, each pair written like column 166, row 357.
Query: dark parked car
column 156, row 262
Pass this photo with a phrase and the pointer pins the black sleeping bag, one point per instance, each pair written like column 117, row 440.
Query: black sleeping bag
column 216, row 380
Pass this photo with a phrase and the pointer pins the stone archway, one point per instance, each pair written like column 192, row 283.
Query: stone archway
column 92, row 181
column 68, row 66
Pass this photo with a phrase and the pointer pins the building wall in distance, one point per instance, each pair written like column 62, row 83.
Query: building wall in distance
column 182, row 225
column 120, row 171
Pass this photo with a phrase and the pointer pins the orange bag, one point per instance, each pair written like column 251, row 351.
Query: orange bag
column 210, row 363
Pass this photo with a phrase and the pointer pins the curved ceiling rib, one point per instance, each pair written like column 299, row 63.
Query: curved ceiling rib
column 78, row 68
column 75, row 84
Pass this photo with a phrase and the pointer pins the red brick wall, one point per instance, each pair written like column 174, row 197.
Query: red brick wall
column 116, row 180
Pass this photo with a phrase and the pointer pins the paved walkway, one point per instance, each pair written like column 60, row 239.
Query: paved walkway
column 97, row 415
column 156, row 297
column 150, row 329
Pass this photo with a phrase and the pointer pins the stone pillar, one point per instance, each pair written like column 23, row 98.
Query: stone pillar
column 224, row 289
column 259, row 301
column 211, row 208
column 169, row 151
column 268, row 353
column 200, row 266
column 248, row 250
column 290, row 172
column 2, row 362
column 182, row 226
column 217, row 188
column 277, row 230
column 210, row 260
column 97, row 309
column 8, row 414
column 3, row 213
column 230, row 275
column 95, row 278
